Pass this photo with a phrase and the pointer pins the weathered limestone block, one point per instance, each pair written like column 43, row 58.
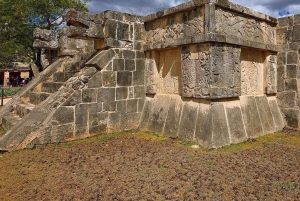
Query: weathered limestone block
column 251, row 117
column 159, row 113
column 169, row 72
column 286, row 99
column 173, row 118
column 292, row 117
column 187, row 124
column 265, row 114
column 45, row 39
column 211, row 71
column 203, row 133
column 252, row 72
column 233, row 23
column 281, row 75
column 276, row 113
column 177, row 26
column 101, row 60
column 235, row 122
column 151, row 63
column 219, row 123
column 271, row 74
column 63, row 115
column 98, row 122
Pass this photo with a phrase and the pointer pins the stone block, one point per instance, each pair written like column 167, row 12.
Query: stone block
column 187, row 124
column 139, row 31
column 124, row 78
column 89, row 95
column 110, row 106
column 139, row 76
column 281, row 75
column 235, row 122
column 291, row 85
column 147, row 110
column 141, row 103
column 292, row 57
column 292, row 117
column 96, row 80
column 106, row 94
column 129, row 65
column 159, row 113
column 265, row 114
column 121, row 93
column 130, row 121
column 130, row 92
column 220, row 130
column 114, row 122
column 281, row 58
column 286, row 99
column 63, row 133
column 81, row 130
column 276, row 113
column 296, row 33
column 98, row 123
column 251, row 117
column 297, row 19
column 173, row 118
column 81, row 113
column 123, row 31
column 118, row 64
column 111, row 28
column 294, row 46
column 128, row 54
column 283, row 22
column 140, row 55
column 291, row 71
column 132, row 106
column 203, row 133
column 121, row 106
column 102, row 59
column 74, row 99
column 284, row 35
column 139, row 92
column 109, row 78
column 63, row 115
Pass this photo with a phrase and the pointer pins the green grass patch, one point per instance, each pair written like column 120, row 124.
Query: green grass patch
column 266, row 140
column 7, row 92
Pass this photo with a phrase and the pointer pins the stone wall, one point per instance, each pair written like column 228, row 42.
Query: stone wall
column 288, row 39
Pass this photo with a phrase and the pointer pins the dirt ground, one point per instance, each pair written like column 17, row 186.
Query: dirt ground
column 140, row 166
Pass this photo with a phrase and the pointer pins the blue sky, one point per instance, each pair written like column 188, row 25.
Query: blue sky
column 275, row 8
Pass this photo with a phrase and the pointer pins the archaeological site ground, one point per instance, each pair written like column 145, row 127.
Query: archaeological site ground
column 206, row 72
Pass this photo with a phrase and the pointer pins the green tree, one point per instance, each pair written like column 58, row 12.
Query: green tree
column 18, row 18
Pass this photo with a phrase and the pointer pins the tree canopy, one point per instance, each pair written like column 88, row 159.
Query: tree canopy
column 18, row 18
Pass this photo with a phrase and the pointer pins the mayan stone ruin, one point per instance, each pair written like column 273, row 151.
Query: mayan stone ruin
column 208, row 71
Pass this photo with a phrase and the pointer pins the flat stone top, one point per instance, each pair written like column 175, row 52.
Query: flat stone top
column 222, row 3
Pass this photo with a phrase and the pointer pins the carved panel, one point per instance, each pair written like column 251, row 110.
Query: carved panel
column 231, row 23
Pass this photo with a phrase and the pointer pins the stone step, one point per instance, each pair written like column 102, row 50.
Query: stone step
column 38, row 97
column 51, row 87
column 24, row 109
column 61, row 76
column 71, row 67
column 9, row 120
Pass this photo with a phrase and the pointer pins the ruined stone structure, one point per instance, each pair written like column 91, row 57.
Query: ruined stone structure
column 204, row 71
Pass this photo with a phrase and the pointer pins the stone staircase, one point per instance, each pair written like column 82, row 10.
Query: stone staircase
column 37, row 95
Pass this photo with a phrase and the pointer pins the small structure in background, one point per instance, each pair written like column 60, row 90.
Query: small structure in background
column 17, row 76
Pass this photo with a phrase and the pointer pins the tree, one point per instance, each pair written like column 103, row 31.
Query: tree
column 18, row 18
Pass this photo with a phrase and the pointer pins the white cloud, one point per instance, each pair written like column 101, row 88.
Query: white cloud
column 144, row 7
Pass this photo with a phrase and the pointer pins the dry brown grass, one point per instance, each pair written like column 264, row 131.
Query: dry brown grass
column 141, row 166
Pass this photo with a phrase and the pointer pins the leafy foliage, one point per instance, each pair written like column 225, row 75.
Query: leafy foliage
column 18, row 18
